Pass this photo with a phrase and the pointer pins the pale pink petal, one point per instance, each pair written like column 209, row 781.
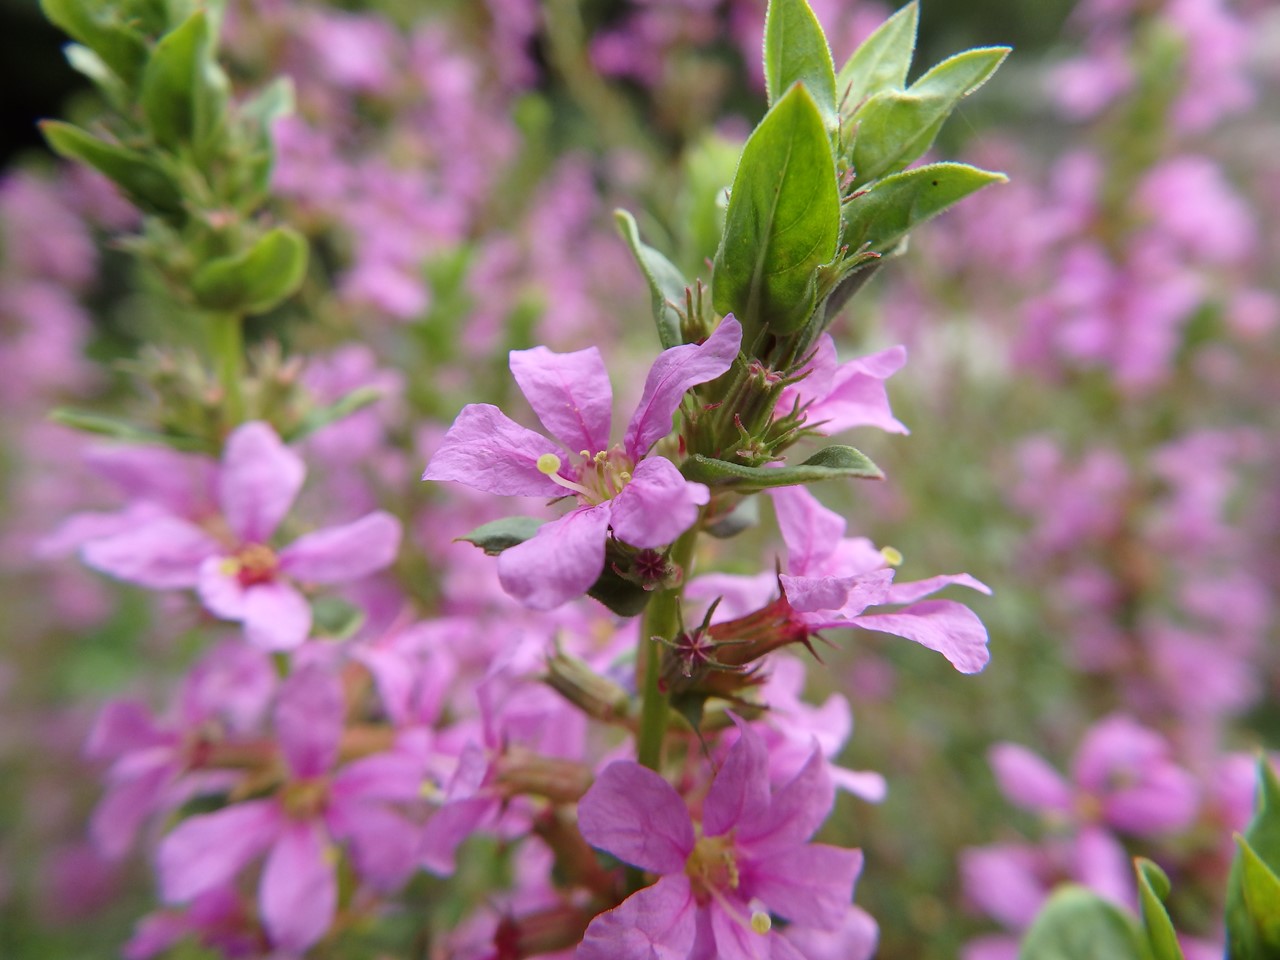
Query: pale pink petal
column 950, row 628
column 181, row 482
column 220, row 589
column 810, row 530
column 127, row 805
column 914, row 590
column 995, row 947
column 487, row 450
column 1006, row 881
column 848, row 595
column 1166, row 800
column 383, row 843
column 672, row 374
column 299, row 890
column 309, row 719
column 123, row 725
column 857, row 396
column 348, row 552
column 1103, row 865
column 383, row 776
column 740, row 791
column 657, row 505
column 865, row 784
column 818, row 374
column 1117, row 745
column 809, row 884
column 656, row 923
column 570, row 393
column 163, row 554
column 449, row 827
column 276, row 616
column 1028, row 781
column 855, row 938
column 207, row 850
column 636, row 815
column 734, row 938
column 259, row 480
column 560, row 562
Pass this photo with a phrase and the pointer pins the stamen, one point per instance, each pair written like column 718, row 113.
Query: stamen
column 761, row 922
column 549, row 464
column 892, row 556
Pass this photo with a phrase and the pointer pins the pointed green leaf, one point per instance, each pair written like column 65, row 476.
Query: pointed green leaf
column 1153, row 888
column 895, row 127
column 183, row 93
column 783, row 220
column 1262, row 839
column 883, row 214
column 344, row 406
column 666, row 283
column 882, row 61
column 147, row 184
column 707, row 171
column 100, row 28
column 88, row 64
column 796, row 51
column 1077, row 924
column 498, row 535
column 89, row 422
column 1261, row 890
column 827, row 464
column 256, row 280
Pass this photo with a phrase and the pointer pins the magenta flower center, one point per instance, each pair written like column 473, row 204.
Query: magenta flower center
column 304, row 799
column 254, row 564
column 595, row 478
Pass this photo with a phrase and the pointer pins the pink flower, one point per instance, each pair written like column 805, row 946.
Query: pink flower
column 840, row 396
column 297, row 826
column 719, row 884
column 236, row 571
column 643, row 499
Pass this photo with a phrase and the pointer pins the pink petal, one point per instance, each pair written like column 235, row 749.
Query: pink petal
column 739, row 793
column 1006, row 881
column 656, row 923
column 448, row 828
column 383, row 776
column 560, row 562
column 382, row 842
column 348, row 552
column 857, row 397
column 486, row 450
column 276, row 616
column 1028, row 781
column 671, row 376
column 855, row 938
column 123, row 725
column 795, row 812
column 810, row 530
column 848, row 595
column 570, row 393
column 636, row 815
column 1166, row 800
column 734, row 939
column 309, row 719
column 220, row 591
column 914, row 590
column 180, row 482
column 206, row 851
column 163, row 554
column 657, row 505
column 950, row 628
column 126, row 806
column 259, row 480
column 1103, row 865
column 299, row 891
column 809, row 884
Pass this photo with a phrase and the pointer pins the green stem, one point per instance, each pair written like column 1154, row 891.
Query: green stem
column 226, row 337
column 661, row 619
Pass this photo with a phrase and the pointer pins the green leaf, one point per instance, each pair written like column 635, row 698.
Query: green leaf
column 184, row 92
column 882, row 61
column 1245, row 939
column 827, row 464
column 707, row 171
column 783, row 220
column 620, row 595
column 336, row 618
column 88, row 64
column 796, row 51
column 498, row 535
column 1153, row 889
column 257, row 279
column 1077, row 924
column 148, row 185
column 1261, row 891
column 260, row 112
column 99, row 27
column 894, row 127
column 121, row 430
column 321, row 417
column 666, row 283
column 882, row 215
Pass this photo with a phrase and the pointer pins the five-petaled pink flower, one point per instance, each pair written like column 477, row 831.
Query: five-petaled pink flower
column 643, row 499
column 720, row 884
column 237, row 572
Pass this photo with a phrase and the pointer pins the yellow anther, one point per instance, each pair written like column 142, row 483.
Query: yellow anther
column 585, row 454
column 549, row 464
column 892, row 556
column 761, row 922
